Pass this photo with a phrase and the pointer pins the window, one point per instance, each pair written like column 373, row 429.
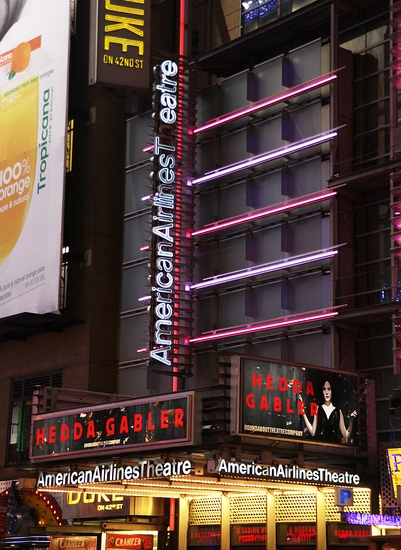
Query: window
column 256, row 13
column 21, row 412
column 372, row 248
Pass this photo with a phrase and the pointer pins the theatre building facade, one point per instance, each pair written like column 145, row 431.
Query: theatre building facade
column 232, row 466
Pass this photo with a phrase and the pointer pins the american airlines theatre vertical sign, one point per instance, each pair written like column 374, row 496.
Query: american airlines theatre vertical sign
column 171, row 219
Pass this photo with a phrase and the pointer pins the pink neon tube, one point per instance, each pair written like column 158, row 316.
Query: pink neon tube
column 287, row 263
column 265, row 212
column 268, row 102
column 268, row 325
column 265, row 157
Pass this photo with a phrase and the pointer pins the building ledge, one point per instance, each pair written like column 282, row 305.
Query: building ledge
column 23, row 325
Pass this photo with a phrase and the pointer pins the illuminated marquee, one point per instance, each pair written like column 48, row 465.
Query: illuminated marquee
column 284, row 400
column 121, row 426
column 287, row 473
column 120, row 35
column 145, row 469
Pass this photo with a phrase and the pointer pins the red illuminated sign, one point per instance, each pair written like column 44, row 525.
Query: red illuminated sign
column 73, row 543
column 296, row 402
column 140, row 423
column 296, row 533
column 343, row 533
column 204, row 535
column 248, row 534
column 129, row 541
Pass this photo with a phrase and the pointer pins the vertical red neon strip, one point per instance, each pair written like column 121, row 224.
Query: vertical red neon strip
column 180, row 132
column 179, row 179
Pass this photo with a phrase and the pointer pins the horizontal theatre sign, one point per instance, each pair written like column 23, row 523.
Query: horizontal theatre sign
column 121, row 426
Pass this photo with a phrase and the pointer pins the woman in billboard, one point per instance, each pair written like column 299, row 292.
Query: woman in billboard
column 328, row 424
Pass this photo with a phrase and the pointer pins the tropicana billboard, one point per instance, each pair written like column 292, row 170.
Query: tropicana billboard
column 34, row 45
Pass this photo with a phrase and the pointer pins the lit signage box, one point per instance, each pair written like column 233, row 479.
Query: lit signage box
column 394, row 464
column 283, row 472
column 296, row 533
column 164, row 308
column 91, row 505
column 342, row 534
column 120, row 43
column 289, row 401
column 116, row 427
column 103, row 473
column 378, row 520
column 248, row 535
column 129, row 541
column 204, row 535
column 73, row 543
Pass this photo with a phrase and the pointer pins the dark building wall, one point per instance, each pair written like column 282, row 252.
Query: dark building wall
column 94, row 191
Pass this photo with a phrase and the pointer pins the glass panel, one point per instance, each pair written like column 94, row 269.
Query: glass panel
column 232, row 255
column 372, row 88
column 203, row 314
column 306, row 293
column 132, row 381
column 135, row 231
column 267, row 245
column 268, row 78
column 18, row 449
column 137, row 185
column 233, row 200
column 231, row 309
column 266, row 301
column 305, row 235
column 234, row 93
column 371, row 116
column 134, row 286
column 134, row 335
column 307, row 350
column 139, row 135
column 268, row 136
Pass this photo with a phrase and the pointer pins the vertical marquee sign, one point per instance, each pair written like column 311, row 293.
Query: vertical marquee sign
column 171, row 221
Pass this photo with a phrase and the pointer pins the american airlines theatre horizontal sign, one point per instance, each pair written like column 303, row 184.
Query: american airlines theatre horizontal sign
column 290, row 401
column 122, row 426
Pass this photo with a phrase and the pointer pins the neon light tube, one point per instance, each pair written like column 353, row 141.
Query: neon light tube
column 264, row 157
column 266, row 268
column 267, row 102
column 265, row 212
column 320, row 315
column 144, row 298
column 148, row 148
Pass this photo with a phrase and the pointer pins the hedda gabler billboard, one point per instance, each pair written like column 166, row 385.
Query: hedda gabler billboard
column 34, row 44
column 290, row 401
